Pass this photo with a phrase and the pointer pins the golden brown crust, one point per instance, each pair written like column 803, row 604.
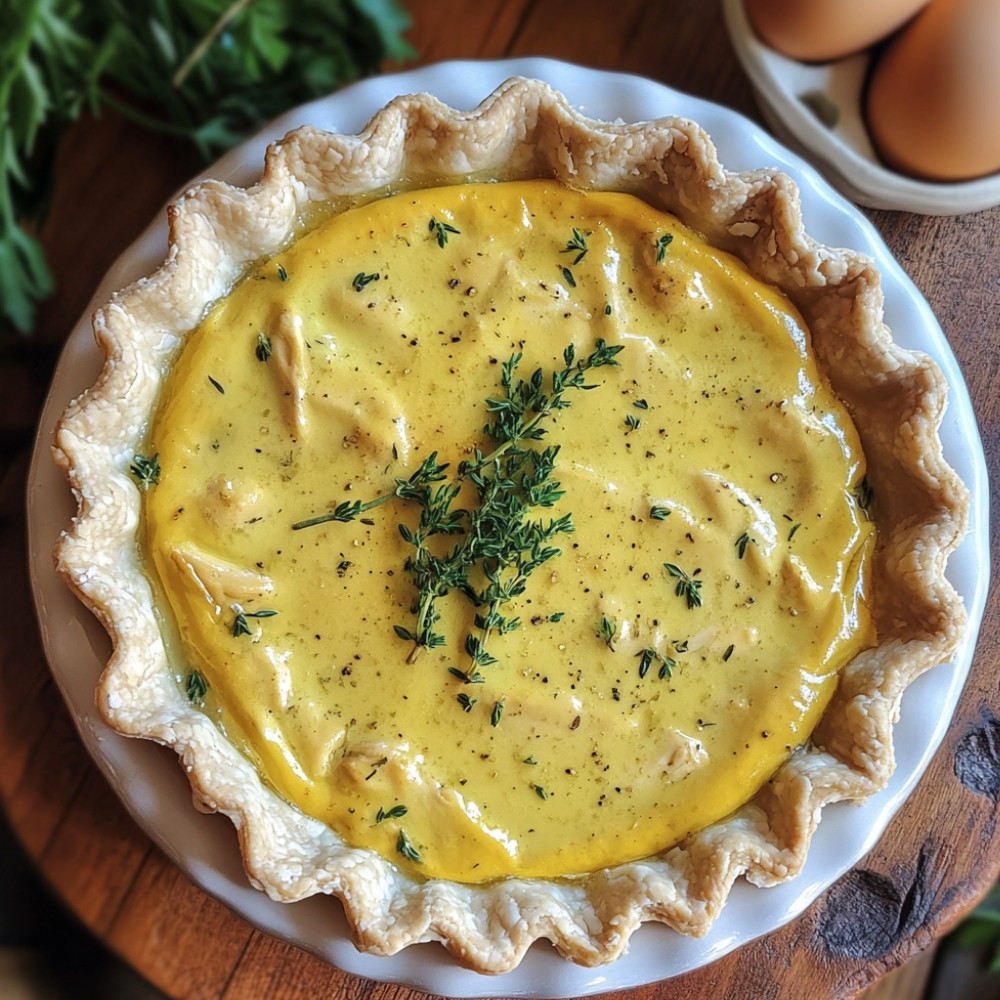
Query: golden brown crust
column 523, row 129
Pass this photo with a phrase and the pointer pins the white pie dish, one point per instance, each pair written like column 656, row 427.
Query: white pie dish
column 203, row 850
column 789, row 93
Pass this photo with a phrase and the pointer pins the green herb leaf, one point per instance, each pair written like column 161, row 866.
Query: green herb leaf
column 500, row 541
column 687, row 587
column 647, row 657
column 576, row 244
column 393, row 812
column 658, row 512
column 362, row 280
column 196, row 688
column 741, row 544
column 146, row 470
column 240, row 624
column 441, row 231
column 606, row 630
column 263, row 350
column 406, row 849
column 661, row 247
column 465, row 678
column 497, row 713
column 208, row 72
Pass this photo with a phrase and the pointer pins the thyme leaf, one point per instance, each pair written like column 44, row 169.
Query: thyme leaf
column 500, row 540
column 741, row 544
column 497, row 713
column 576, row 244
column 687, row 586
column 647, row 657
column 441, row 231
column 146, row 470
column 406, row 849
column 606, row 630
column 240, row 624
column 263, row 350
column 661, row 247
column 196, row 687
column 362, row 280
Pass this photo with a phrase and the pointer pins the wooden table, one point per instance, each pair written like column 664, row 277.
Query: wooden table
column 929, row 869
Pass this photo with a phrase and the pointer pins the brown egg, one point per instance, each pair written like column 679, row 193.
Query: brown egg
column 933, row 103
column 819, row 30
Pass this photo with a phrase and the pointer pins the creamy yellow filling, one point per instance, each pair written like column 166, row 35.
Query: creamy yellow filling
column 687, row 637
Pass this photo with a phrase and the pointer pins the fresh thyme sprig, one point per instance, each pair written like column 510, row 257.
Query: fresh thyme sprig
column 146, row 470
column 687, row 586
column 518, row 416
column 647, row 657
column 501, row 543
column 576, row 244
column 414, row 488
column 240, row 624
column 196, row 687
column 441, row 231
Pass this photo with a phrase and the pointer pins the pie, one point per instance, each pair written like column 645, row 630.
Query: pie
column 515, row 522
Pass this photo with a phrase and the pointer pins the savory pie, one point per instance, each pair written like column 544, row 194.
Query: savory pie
column 517, row 524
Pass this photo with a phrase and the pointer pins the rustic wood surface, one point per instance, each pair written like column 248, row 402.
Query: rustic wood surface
column 938, row 856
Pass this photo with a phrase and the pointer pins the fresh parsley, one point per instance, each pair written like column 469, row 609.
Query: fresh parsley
column 209, row 72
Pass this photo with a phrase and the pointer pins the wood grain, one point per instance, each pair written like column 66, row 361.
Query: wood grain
column 939, row 854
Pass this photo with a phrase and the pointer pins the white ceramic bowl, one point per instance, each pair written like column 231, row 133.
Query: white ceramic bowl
column 151, row 783
column 816, row 109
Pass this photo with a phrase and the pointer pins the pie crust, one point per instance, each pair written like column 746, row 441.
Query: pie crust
column 524, row 129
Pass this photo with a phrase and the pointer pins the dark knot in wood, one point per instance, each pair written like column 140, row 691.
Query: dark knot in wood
column 977, row 758
column 866, row 914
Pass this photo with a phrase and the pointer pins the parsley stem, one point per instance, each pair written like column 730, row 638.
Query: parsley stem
column 206, row 42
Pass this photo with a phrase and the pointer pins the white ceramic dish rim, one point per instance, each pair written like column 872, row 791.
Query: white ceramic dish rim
column 843, row 153
column 148, row 778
